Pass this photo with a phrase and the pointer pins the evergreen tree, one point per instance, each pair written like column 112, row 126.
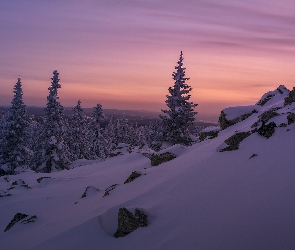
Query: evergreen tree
column 180, row 114
column 197, row 131
column 99, row 140
column 53, row 152
column 153, row 135
column 14, row 150
column 79, row 144
column 110, row 134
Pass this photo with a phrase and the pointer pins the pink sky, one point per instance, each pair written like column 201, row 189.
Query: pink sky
column 121, row 53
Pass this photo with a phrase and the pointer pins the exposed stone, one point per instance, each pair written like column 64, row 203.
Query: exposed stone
column 127, row 223
column 158, row 159
column 254, row 155
column 225, row 123
column 234, row 141
column 267, row 115
column 19, row 183
column 20, row 217
column 266, row 99
column 132, row 177
column 41, row 178
column 290, row 98
column 114, row 154
column 283, row 125
column 291, row 118
column 208, row 135
column 109, row 189
column 267, row 130
column 88, row 190
column 4, row 193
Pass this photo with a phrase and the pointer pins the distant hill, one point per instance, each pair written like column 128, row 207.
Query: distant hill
column 141, row 117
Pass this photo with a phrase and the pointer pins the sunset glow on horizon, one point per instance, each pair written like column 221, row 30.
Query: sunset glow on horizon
column 121, row 54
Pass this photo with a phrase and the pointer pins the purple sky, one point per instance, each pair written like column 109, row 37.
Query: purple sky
column 121, row 53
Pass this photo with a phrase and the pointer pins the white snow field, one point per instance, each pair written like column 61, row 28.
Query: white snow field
column 202, row 200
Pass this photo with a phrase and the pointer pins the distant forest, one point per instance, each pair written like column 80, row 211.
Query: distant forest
column 50, row 139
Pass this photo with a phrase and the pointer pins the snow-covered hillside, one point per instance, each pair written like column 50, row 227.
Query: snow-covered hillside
column 234, row 191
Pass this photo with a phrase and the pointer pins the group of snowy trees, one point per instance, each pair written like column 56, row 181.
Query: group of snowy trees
column 58, row 140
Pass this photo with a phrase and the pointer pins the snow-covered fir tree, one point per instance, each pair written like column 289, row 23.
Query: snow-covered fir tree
column 53, row 153
column 78, row 141
column 14, row 149
column 197, row 131
column 100, row 142
column 110, row 133
column 180, row 115
column 153, row 135
column 123, row 131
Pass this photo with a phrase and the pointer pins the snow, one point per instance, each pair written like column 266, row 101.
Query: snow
column 235, row 112
column 203, row 199
column 211, row 128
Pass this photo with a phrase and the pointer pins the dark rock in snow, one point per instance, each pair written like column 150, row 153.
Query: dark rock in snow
column 254, row 155
column 291, row 118
column 4, row 193
column 209, row 135
column 41, row 178
column 267, row 115
column 132, row 177
column 234, row 141
column 267, row 130
column 267, row 98
column 290, row 98
column 19, row 183
column 225, row 123
column 109, row 189
column 158, row 159
column 127, row 223
column 22, row 218
column 89, row 190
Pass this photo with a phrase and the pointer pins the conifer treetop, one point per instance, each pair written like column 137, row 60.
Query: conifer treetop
column 54, row 87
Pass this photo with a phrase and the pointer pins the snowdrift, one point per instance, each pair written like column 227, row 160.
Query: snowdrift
column 203, row 199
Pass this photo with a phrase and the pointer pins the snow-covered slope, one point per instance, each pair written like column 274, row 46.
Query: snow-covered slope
column 203, row 199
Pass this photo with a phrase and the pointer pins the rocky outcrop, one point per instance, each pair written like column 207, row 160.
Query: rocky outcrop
column 132, row 177
column 4, row 193
column 158, row 159
column 265, row 117
column 208, row 135
column 234, row 141
column 88, row 190
column 41, row 178
column 19, row 183
column 267, row 130
column 266, row 99
column 290, row 98
column 291, row 118
column 22, row 218
column 127, row 223
column 225, row 123
column 109, row 189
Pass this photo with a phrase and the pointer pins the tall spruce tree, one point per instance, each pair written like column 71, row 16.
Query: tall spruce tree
column 180, row 114
column 14, row 150
column 53, row 153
